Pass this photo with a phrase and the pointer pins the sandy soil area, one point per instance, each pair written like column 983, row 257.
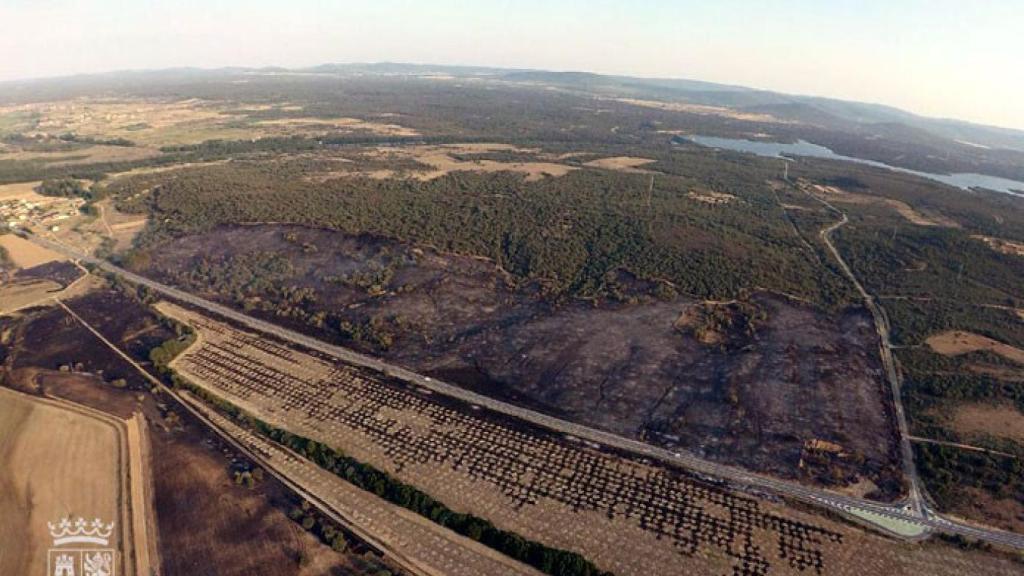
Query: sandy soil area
column 90, row 155
column 709, row 197
column 324, row 124
column 481, row 147
column 998, row 372
column 21, row 191
column 58, row 464
column 26, row 254
column 443, row 164
column 956, row 342
column 159, row 169
column 913, row 216
column 621, row 163
column 430, row 162
column 1000, row 421
column 141, row 504
column 20, row 294
column 1004, row 246
column 119, row 226
column 703, row 110
column 442, row 160
column 152, row 123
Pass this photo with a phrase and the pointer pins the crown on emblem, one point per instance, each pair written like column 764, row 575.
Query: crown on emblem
column 80, row 531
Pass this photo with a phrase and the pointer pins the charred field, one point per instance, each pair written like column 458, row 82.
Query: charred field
column 764, row 381
column 208, row 524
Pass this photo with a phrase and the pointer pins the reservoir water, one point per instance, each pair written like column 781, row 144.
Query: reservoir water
column 803, row 148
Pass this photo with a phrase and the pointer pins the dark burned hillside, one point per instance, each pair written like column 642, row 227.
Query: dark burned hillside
column 202, row 513
column 584, row 294
column 765, row 382
column 669, row 292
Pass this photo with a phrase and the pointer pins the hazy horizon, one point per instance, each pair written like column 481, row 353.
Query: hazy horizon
column 937, row 59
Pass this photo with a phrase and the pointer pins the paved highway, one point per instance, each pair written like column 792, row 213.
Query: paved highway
column 918, row 515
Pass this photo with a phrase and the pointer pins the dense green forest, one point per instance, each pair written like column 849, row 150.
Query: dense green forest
column 932, row 262
column 914, row 320
column 946, row 471
column 570, row 232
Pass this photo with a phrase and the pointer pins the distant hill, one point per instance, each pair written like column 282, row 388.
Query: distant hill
column 809, row 109
column 827, row 113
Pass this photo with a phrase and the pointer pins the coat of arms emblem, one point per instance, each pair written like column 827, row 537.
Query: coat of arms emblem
column 78, row 548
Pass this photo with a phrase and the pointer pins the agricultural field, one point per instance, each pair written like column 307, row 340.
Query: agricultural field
column 639, row 518
column 16, row 295
column 60, row 462
column 38, row 286
column 1003, row 421
column 25, row 254
column 131, row 128
column 195, row 504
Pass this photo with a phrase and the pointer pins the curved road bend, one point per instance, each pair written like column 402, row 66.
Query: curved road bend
column 837, row 502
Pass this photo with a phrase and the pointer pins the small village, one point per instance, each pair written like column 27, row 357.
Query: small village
column 42, row 212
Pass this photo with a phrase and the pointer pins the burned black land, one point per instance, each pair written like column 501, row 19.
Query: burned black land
column 765, row 382
column 201, row 512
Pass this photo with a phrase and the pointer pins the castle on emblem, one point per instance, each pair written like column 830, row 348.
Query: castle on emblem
column 64, row 566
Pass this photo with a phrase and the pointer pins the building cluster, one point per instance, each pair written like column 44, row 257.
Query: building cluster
column 47, row 213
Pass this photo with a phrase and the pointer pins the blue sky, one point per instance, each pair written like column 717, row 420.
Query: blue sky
column 959, row 59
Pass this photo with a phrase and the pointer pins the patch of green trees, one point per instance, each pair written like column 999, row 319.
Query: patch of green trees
column 947, row 470
column 570, row 234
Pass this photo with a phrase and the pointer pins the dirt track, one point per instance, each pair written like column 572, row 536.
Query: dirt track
column 140, row 501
